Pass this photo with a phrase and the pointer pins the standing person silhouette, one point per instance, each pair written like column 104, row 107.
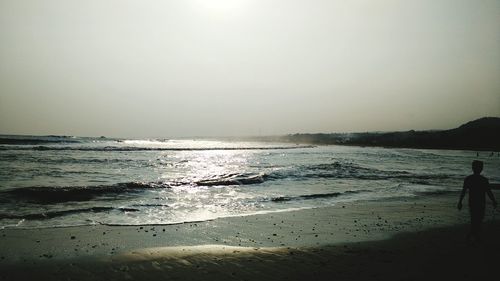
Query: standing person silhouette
column 478, row 187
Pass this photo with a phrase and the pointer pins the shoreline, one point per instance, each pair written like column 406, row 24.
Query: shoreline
column 308, row 239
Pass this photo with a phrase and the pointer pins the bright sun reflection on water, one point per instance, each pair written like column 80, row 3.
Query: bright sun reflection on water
column 197, row 202
column 205, row 165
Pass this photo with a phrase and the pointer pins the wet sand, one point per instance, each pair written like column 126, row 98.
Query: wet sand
column 405, row 239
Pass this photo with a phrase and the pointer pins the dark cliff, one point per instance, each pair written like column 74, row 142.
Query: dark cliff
column 480, row 134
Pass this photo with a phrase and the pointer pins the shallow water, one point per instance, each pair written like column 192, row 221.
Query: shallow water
column 59, row 181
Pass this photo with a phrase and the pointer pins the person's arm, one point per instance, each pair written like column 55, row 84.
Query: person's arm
column 490, row 194
column 462, row 195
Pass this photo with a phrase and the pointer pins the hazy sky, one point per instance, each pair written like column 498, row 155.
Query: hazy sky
column 245, row 67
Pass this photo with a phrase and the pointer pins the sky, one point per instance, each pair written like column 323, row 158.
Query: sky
column 180, row 68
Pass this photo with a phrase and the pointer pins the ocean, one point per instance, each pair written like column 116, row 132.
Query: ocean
column 55, row 181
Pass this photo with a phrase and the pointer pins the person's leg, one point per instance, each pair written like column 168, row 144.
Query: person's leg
column 480, row 217
column 477, row 215
column 470, row 235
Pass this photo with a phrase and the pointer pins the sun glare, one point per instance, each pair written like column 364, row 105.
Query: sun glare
column 222, row 8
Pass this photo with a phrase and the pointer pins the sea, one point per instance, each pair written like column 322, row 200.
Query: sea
column 57, row 181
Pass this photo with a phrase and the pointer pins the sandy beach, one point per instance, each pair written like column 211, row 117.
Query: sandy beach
column 396, row 239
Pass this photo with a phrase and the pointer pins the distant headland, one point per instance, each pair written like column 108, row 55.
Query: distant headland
column 481, row 134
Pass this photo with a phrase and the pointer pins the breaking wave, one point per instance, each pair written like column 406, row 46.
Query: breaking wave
column 338, row 170
column 234, row 179
column 317, row 196
column 55, row 214
column 138, row 148
column 50, row 195
column 32, row 140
